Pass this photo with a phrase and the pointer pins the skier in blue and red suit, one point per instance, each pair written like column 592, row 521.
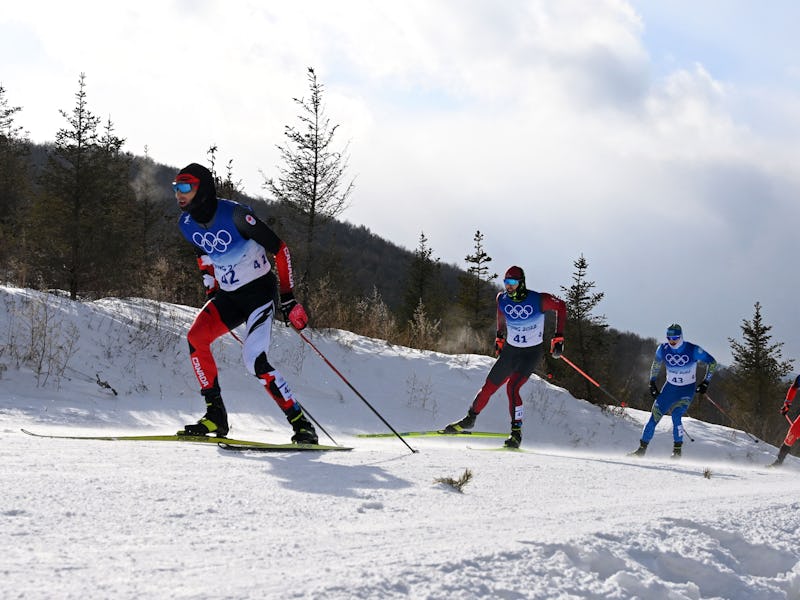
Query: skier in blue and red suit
column 520, row 332
column 681, row 358
column 233, row 248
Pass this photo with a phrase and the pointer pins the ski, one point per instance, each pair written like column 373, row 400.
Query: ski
column 199, row 439
column 236, row 447
column 435, row 433
column 501, row 449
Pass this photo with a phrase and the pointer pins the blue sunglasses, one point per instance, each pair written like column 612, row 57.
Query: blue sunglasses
column 183, row 187
column 510, row 281
column 673, row 338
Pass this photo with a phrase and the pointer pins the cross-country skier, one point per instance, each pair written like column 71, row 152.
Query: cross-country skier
column 233, row 248
column 794, row 429
column 681, row 358
column 520, row 329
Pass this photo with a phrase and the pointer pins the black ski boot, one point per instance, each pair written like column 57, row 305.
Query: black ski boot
column 467, row 422
column 214, row 421
column 782, row 453
column 515, row 439
column 640, row 451
column 676, row 450
column 304, row 432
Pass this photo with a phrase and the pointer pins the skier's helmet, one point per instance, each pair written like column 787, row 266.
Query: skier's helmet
column 516, row 276
column 204, row 204
column 674, row 332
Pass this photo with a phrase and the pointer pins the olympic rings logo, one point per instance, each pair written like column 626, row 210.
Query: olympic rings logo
column 213, row 242
column 517, row 311
column 677, row 360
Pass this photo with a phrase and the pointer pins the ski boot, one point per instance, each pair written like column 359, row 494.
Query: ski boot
column 304, row 432
column 676, row 450
column 214, row 421
column 515, row 439
column 640, row 451
column 782, row 453
column 467, row 422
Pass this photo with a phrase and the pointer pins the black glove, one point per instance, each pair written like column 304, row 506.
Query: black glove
column 785, row 408
column 653, row 390
column 703, row 387
column 499, row 341
column 557, row 345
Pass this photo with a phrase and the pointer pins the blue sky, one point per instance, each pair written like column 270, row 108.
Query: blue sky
column 658, row 139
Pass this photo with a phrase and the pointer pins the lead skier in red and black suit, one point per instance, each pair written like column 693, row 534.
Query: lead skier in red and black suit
column 233, row 248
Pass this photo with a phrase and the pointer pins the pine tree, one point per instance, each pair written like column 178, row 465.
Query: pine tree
column 758, row 370
column 423, row 284
column 311, row 182
column 14, row 187
column 227, row 187
column 475, row 292
column 82, row 215
column 585, row 332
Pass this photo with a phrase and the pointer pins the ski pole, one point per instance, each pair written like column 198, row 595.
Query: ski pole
column 303, row 408
column 343, row 378
column 735, row 423
column 600, row 387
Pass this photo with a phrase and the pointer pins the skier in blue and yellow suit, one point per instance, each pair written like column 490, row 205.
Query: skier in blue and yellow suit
column 680, row 358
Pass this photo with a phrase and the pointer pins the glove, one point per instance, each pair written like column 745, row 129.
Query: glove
column 207, row 269
column 293, row 312
column 210, row 282
column 785, row 408
column 702, row 388
column 653, row 389
column 557, row 345
column 498, row 344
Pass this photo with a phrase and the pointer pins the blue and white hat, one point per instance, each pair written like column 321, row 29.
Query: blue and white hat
column 674, row 330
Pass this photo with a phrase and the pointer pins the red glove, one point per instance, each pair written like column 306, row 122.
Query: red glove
column 293, row 312
column 207, row 269
column 785, row 408
column 499, row 341
column 557, row 345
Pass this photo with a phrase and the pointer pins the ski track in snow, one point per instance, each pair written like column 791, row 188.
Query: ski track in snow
column 574, row 518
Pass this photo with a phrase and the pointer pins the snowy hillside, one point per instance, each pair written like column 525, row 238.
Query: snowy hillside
column 572, row 517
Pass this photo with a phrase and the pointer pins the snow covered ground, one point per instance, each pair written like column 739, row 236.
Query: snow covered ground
column 573, row 517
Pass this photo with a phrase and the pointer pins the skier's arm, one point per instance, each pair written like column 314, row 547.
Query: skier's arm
column 655, row 368
column 501, row 318
column 711, row 366
column 253, row 228
column 790, row 394
column 550, row 302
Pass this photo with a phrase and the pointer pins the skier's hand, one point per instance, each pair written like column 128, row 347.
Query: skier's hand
column 498, row 345
column 702, row 388
column 785, row 408
column 293, row 312
column 210, row 283
column 557, row 346
column 207, row 269
column 653, row 389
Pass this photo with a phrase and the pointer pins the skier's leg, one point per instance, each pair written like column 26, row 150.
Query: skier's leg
column 793, row 433
column 207, row 326
column 254, row 353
